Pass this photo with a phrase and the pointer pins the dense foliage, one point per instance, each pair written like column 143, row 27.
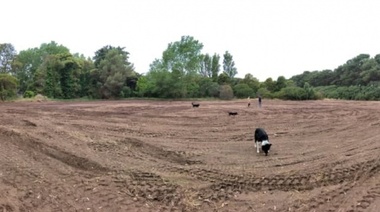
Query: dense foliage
column 357, row 79
column 182, row 72
column 8, row 85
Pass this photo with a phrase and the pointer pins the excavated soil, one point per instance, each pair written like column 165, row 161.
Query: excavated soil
column 140, row 155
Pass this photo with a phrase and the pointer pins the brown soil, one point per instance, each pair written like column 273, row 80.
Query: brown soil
column 168, row 156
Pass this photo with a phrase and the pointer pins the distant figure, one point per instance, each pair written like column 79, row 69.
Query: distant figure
column 249, row 101
column 259, row 101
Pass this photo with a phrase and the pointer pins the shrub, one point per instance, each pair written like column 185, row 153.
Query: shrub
column 264, row 92
column 225, row 92
column 8, row 86
column 213, row 90
column 292, row 93
column 243, row 90
column 29, row 94
column 126, row 92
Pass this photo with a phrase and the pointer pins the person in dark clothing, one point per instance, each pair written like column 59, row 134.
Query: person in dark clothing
column 259, row 101
column 261, row 138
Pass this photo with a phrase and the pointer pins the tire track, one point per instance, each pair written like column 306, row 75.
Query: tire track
column 32, row 145
column 224, row 185
column 334, row 198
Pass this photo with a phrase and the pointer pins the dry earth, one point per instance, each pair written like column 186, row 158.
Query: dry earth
column 140, row 155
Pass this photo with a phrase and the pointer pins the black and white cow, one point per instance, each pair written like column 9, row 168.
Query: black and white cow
column 262, row 139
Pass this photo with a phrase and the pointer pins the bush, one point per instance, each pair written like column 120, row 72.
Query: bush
column 213, row 90
column 192, row 90
column 264, row 93
column 368, row 92
column 225, row 92
column 8, row 86
column 292, row 93
column 243, row 90
column 208, row 88
column 29, row 94
column 126, row 92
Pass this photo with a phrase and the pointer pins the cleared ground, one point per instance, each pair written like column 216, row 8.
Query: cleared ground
column 167, row 156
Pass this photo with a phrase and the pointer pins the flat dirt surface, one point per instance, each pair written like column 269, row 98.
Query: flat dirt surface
column 140, row 155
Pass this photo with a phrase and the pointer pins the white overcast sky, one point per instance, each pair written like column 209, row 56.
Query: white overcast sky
column 267, row 38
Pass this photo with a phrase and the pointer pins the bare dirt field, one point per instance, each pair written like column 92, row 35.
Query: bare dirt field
column 139, row 155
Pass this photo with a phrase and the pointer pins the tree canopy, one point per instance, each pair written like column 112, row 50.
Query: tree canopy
column 8, row 86
column 229, row 65
column 7, row 55
column 183, row 71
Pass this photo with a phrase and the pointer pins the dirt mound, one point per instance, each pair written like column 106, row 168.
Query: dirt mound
column 40, row 98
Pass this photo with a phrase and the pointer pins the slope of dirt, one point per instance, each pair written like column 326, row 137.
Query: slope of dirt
column 140, row 155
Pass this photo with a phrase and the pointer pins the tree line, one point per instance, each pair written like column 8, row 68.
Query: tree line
column 182, row 72
column 357, row 79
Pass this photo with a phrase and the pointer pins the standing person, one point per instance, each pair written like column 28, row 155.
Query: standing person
column 249, row 101
column 259, row 101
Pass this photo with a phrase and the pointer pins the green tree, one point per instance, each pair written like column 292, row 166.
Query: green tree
column 83, row 75
column 52, row 48
column 371, row 71
column 264, row 92
column 8, row 86
column 101, row 54
column 113, row 71
column 159, row 83
column 215, row 67
column 223, row 78
column 46, row 78
column 208, row 88
column 58, row 76
column 28, row 61
column 175, row 75
column 252, row 82
column 7, row 56
column 280, row 83
column 184, row 55
column 70, row 76
column 309, row 91
column 192, row 86
column 206, row 66
column 229, row 65
column 323, row 78
column 243, row 90
column 144, row 86
column 293, row 93
column 269, row 84
column 349, row 73
column 226, row 92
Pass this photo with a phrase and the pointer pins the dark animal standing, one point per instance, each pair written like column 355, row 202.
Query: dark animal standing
column 195, row 104
column 232, row 113
column 249, row 104
column 261, row 138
